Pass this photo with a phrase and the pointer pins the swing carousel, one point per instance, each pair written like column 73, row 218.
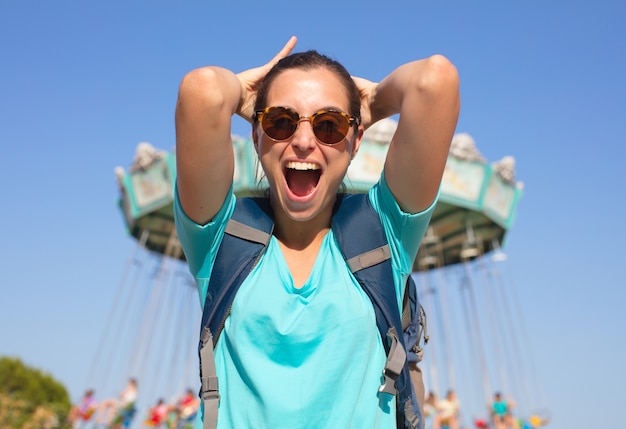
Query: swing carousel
column 477, row 343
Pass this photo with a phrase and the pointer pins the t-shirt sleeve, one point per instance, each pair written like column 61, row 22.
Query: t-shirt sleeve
column 404, row 231
column 200, row 243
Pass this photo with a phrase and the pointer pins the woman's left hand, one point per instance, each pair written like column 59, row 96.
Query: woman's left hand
column 367, row 91
column 251, row 79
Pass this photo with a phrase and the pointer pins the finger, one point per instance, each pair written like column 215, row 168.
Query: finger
column 362, row 83
column 286, row 50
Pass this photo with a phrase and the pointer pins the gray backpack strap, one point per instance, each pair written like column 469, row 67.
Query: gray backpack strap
column 238, row 229
column 210, row 391
column 210, row 387
column 395, row 362
column 397, row 355
column 369, row 259
column 411, row 418
column 246, row 236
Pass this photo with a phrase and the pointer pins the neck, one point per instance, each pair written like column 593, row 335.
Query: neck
column 298, row 235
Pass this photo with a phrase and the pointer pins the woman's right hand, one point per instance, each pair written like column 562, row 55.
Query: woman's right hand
column 252, row 78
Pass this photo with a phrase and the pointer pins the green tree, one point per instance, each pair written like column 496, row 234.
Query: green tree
column 29, row 398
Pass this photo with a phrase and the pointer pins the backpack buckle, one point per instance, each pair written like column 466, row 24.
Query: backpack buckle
column 395, row 362
column 389, row 385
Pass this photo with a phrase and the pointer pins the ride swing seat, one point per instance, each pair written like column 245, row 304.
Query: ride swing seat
column 86, row 415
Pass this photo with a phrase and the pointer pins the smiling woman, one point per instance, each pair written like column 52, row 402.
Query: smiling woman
column 301, row 304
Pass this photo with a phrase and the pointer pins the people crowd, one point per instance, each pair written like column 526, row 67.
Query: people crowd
column 445, row 413
column 180, row 413
column 120, row 412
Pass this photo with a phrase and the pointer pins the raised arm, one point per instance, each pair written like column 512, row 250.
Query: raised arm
column 208, row 97
column 426, row 95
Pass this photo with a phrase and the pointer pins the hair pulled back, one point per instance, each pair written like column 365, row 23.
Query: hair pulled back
column 309, row 60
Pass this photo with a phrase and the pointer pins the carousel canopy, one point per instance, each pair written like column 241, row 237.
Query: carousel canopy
column 475, row 209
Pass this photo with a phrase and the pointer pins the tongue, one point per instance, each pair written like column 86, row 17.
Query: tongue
column 302, row 182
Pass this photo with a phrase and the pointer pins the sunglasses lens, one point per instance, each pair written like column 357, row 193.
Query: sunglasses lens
column 279, row 123
column 330, row 127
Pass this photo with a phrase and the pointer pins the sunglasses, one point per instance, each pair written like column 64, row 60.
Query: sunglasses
column 329, row 126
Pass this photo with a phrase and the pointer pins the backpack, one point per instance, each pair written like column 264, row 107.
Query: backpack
column 247, row 235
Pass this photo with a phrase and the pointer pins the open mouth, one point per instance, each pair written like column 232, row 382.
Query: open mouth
column 302, row 177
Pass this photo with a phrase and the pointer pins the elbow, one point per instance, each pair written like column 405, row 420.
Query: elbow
column 200, row 78
column 205, row 86
column 438, row 77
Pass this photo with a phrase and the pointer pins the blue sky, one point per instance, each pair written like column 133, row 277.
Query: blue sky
column 82, row 83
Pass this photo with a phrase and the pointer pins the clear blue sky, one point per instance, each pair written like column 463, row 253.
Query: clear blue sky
column 81, row 83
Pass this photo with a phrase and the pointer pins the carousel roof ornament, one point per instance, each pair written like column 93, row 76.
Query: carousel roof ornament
column 145, row 156
column 463, row 147
column 381, row 132
column 505, row 169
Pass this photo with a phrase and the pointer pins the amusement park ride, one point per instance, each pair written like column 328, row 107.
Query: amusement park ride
column 474, row 327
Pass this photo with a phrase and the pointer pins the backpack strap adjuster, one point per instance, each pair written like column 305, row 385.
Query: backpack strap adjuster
column 210, row 388
column 208, row 378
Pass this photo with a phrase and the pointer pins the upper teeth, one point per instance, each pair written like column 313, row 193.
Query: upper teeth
column 302, row 165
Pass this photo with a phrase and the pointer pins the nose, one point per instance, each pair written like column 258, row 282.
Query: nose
column 304, row 138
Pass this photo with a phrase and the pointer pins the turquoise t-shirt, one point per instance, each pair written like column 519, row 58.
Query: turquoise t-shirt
column 308, row 357
column 500, row 408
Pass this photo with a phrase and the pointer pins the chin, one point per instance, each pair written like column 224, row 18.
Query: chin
column 300, row 213
column 318, row 209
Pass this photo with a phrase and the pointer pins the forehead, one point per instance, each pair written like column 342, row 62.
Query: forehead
column 308, row 90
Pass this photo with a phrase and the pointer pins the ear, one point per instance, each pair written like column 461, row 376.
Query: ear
column 255, row 138
column 356, row 142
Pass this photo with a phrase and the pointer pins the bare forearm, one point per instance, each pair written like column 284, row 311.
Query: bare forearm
column 208, row 98
column 419, row 82
column 426, row 95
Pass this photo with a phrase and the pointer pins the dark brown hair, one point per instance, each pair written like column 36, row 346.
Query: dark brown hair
column 309, row 60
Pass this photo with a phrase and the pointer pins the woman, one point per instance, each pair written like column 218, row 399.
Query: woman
column 286, row 355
